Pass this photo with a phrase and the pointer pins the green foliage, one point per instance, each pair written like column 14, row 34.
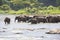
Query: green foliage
column 28, row 7
column 58, row 2
column 4, row 7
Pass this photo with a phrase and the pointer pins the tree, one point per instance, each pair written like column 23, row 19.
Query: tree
column 1, row 3
column 50, row 7
column 5, row 7
column 58, row 2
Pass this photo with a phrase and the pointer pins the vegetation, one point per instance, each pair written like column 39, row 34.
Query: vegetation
column 39, row 7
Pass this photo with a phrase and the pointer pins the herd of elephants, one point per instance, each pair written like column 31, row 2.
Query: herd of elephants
column 34, row 19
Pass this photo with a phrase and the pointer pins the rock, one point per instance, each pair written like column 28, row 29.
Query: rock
column 4, row 28
column 2, row 31
column 31, row 29
column 42, row 36
column 54, row 31
column 18, row 33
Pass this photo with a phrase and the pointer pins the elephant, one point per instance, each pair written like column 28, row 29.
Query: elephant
column 17, row 18
column 22, row 18
column 35, row 16
column 41, row 19
column 33, row 21
column 7, row 20
column 27, row 18
column 58, row 18
column 37, row 19
column 53, row 19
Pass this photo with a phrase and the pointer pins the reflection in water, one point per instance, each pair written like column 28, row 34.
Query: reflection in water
column 26, row 31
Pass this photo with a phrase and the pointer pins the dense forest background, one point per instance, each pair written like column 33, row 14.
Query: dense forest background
column 30, row 7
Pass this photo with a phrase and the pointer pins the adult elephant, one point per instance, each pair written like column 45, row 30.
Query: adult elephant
column 58, row 18
column 17, row 18
column 53, row 19
column 33, row 21
column 41, row 19
column 22, row 18
column 49, row 19
column 27, row 18
column 7, row 20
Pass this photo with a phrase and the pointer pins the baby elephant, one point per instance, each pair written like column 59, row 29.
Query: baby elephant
column 7, row 20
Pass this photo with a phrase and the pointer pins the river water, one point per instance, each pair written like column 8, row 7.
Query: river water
column 26, row 31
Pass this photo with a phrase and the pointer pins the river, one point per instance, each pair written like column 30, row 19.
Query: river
column 26, row 31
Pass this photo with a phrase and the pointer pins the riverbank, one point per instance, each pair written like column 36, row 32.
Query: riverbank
column 41, row 12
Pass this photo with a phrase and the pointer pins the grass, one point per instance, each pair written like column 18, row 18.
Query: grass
column 52, row 12
column 23, row 11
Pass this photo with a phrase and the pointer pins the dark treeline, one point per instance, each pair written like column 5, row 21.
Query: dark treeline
column 50, row 2
column 18, row 4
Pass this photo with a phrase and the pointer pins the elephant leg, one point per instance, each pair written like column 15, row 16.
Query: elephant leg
column 43, row 21
column 8, row 22
column 34, row 23
column 5, row 22
column 14, row 20
column 19, row 20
